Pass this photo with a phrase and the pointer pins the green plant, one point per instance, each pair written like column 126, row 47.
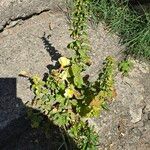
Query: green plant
column 83, row 134
column 78, row 29
column 131, row 26
column 125, row 66
column 67, row 97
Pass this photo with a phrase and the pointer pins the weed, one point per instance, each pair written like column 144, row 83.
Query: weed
column 67, row 97
column 131, row 26
column 125, row 66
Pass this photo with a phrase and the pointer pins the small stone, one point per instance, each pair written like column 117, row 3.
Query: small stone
column 136, row 115
column 13, row 23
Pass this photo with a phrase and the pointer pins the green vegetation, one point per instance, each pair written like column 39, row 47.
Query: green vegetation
column 66, row 97
column 125, row 67
column 131, row 26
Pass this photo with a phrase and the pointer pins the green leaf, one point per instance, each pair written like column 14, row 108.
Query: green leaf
column 62, row 85
column 105, row 106
column 78, row 81
column 74, row 102
column 76, row 69
column 61, row 119
column 60, row 98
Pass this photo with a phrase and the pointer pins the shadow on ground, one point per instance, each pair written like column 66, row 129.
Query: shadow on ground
column 15, row 128
column 53, row 53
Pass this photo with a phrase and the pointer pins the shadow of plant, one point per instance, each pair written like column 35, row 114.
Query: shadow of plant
column 53, row 53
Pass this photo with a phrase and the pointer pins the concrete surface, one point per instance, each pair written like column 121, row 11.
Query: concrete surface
column 21, row 9
column 31, row 46
column 126, row 125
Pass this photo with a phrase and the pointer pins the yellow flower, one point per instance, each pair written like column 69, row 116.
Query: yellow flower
column 69, row 93
column 64, row 61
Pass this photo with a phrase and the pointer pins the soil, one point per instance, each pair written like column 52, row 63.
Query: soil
column 31, row 46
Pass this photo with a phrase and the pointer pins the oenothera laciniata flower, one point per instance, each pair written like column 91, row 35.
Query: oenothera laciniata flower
column 64, row 61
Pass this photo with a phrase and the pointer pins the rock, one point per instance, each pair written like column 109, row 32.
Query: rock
column 13, row 23
column 136, row 114
column 15, row 9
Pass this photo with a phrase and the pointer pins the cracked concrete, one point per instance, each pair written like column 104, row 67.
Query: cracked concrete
column 11, row 10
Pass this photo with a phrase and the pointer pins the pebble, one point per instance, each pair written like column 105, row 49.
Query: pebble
column 136, row 114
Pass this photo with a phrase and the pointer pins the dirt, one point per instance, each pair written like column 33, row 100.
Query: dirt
column 31, row 46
